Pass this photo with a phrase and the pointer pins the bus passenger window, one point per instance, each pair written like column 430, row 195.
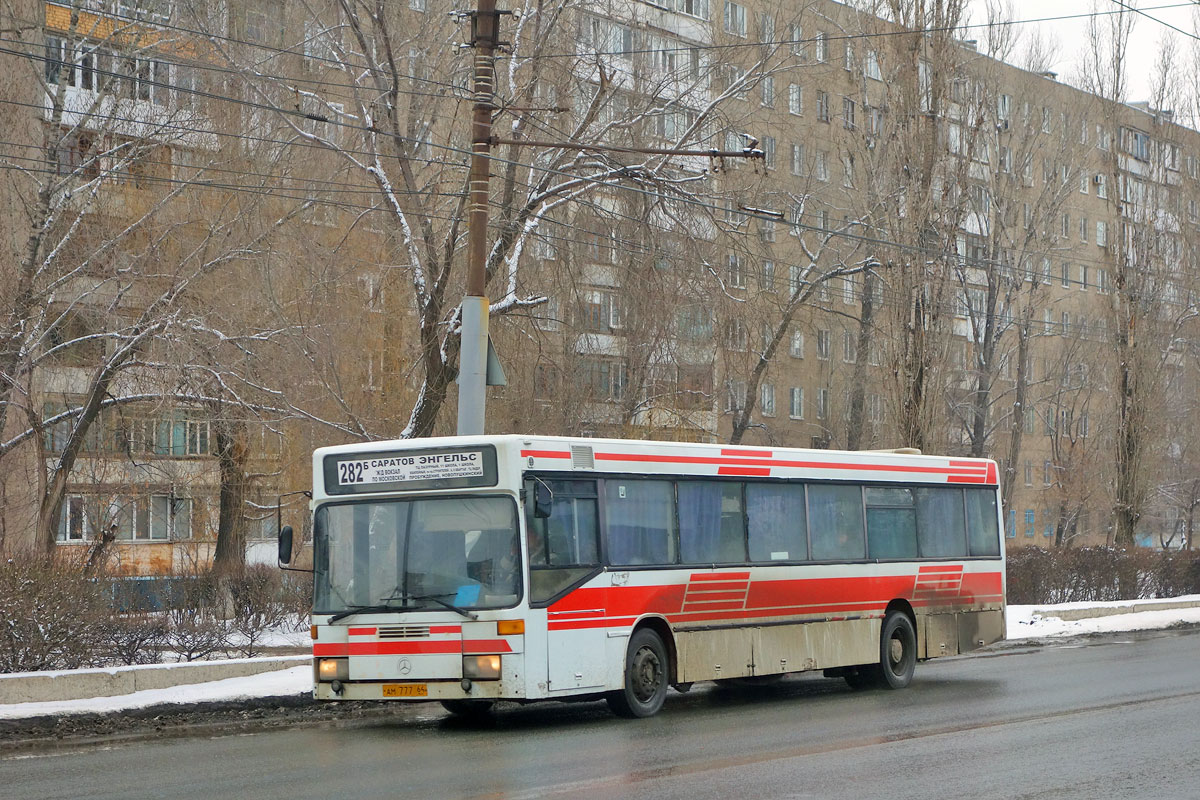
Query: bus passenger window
column 941, row 523
column 891, row 522
column 710, row 522
column 775, row 513
column 835, row 522
column 640, row 521
column 982, row 522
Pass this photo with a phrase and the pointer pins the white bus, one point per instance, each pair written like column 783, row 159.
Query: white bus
column 474, row 569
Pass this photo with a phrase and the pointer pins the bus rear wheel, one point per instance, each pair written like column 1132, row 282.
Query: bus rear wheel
column 646, row 677
column 897, row 656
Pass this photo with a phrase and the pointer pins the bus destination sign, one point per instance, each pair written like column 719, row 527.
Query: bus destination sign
column 399, row 469
column 406, row 470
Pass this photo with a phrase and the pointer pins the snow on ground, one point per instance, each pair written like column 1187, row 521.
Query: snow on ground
column 1024, row 622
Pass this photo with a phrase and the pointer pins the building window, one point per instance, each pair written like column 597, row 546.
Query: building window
column 795, row 279
column 795, row 99
column 1028, row 472
column 848, row 113
column 735, row 18
column 767, row 89
column 796, row 349
column 849, row 347
column 823, row 344
column 75, row 523
column 822, row 403
column 1101, row 233
column 767, row 273
column 823, row 106
column 1029, row 522
column 766, row 28
column 737, row 271
column 822, row 166
column 872, row 66
column 874, row 408
column 737, row 337
column 797, row 159
column 601, row 379
column 796, row 403
column 766, row 396
column 821, row 48
column 735, row 396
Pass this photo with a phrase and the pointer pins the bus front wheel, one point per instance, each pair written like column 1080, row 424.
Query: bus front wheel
column 646, row 676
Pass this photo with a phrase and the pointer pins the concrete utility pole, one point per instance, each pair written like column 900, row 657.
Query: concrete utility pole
column 472, row 358
column 473, row 351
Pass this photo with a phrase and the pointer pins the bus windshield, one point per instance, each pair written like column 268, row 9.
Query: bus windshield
column 411, row 554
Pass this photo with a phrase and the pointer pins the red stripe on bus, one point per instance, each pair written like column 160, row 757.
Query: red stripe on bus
column 711, row 460
column 445, row 628
column 545, row 454
column 966, row 479
column 757, row 472
column 770, row 595
column 362, row 631
column 747, row 453
column 716, row 597
column 718, row 576
column 940, row 568
column 411, row 647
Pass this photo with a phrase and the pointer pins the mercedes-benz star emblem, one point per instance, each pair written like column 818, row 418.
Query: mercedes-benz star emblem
column 405, row 666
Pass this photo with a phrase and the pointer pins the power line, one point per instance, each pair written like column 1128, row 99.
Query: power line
column 859, row 36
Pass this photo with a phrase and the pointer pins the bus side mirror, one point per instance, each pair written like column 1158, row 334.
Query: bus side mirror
column 542, row 500
column 285, row 544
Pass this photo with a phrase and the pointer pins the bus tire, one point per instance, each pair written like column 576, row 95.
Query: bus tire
column 471, row 709
column 897, row 651
column 647, row 673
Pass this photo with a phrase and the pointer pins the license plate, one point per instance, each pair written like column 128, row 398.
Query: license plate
column 405, row 690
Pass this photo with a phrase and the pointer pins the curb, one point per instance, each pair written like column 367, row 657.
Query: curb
column 79, row 684
column 1074, row 614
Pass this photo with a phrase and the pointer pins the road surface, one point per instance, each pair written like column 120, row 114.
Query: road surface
column 1107, row 717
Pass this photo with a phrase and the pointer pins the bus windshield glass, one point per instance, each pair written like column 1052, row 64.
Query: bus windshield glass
column 410, row 554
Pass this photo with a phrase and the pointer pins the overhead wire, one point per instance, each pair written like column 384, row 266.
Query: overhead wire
column 711, row 207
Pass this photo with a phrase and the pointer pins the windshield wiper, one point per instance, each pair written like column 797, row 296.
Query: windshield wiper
column 437, row 598
column 365, row 609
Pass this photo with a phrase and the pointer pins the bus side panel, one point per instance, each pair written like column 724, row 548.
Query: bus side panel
column 817, row 645
column 776, row 649
column 952, row 634
column 714, row 654
column 979, row 628
column 941, row 635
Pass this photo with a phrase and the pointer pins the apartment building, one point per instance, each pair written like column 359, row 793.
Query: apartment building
column 930, row 247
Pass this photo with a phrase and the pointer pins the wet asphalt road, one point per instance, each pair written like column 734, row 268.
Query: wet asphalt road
column 1112, row 717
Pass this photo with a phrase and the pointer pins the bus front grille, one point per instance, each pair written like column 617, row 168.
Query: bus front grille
column 404, row 632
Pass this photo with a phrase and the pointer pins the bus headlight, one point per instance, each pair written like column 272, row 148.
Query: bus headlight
column 333, row 669
column 481, row 668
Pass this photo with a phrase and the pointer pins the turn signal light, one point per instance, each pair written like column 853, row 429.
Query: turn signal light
column 312, row 631
column 510, row 627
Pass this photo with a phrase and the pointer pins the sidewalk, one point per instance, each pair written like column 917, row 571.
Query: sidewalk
column 25, row 695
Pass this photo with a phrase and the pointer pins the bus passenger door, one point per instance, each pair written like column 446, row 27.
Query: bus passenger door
column 566, row 578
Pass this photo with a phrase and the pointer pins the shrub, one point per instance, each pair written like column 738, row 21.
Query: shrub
column 1099, row 574
column 51, row 615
